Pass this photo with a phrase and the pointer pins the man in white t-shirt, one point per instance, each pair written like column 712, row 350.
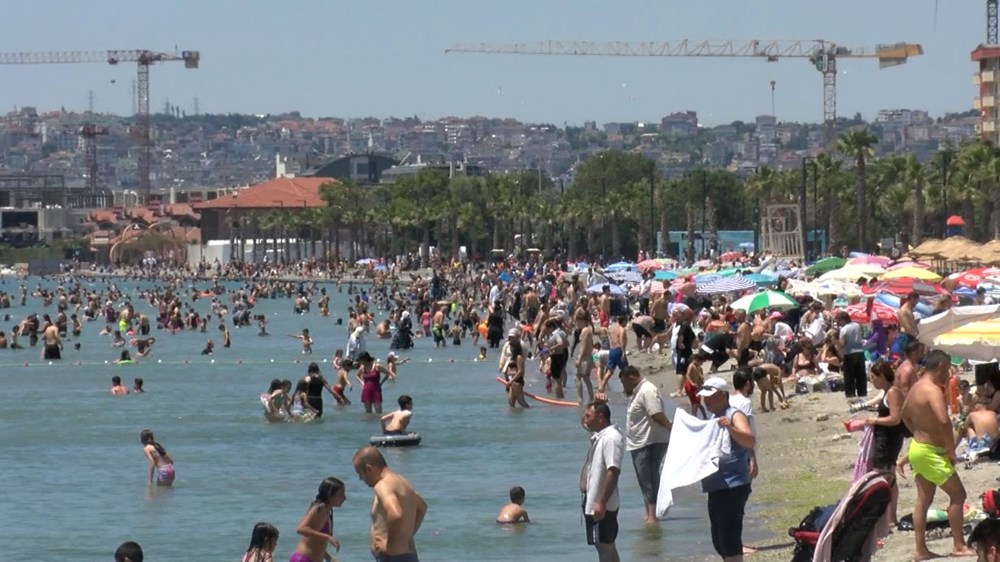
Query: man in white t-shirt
column 743, row 387
column 599, row 481
column 647, row 433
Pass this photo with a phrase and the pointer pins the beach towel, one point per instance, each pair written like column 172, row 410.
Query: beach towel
column 864, row 453
column 693, row 454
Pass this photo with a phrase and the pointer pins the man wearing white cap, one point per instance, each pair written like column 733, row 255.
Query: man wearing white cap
column 729, row 488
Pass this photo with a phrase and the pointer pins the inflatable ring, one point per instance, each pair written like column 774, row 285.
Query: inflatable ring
column 405, row 440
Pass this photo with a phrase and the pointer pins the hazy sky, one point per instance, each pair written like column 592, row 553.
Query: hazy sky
column 382, row 58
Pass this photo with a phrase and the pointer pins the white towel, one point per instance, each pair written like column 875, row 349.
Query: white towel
column 693, row 454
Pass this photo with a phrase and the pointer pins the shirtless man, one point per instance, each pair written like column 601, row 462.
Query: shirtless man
column 658, row 310
column 981, row 422
column 584, row 358
column 395, row 423
column 908, row 328
column 604, row 306
column 932, row 454
column 616, row 355
column 52, row 347
column 397, row 509
column 117, row 388
column 906, row 373
column 514, row 512
column 743, row 340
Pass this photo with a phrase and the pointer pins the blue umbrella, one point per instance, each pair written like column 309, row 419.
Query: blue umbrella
column 664, row 275
column 505, row 277
column 599, row 288
column 761, row 279
column 625, row 276
column 620, row 266
column 706, row 278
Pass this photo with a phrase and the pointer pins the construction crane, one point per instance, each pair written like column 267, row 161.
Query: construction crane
column 821, row 53
column 144, row 59
column 991, row 22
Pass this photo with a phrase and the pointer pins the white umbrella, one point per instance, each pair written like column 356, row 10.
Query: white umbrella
column 978, row 340
column 727, row 285
column 852, row 273
column 953, row 318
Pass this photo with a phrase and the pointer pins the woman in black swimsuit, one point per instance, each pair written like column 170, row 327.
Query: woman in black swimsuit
column 888, row 429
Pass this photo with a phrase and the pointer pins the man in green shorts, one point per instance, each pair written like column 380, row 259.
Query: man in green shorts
column 932, row 453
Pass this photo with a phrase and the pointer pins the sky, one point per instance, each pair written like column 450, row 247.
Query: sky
column 357, row 58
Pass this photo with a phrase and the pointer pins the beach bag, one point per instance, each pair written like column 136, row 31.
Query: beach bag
column 991, row 503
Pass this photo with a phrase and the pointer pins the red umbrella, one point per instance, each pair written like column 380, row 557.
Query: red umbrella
column 649, row 265
column 973, row 277
column 903, row 286
column 955, row 220
column 731, row 256
column 859, row 313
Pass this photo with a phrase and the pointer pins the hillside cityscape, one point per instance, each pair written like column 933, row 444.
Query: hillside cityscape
column 217, row 151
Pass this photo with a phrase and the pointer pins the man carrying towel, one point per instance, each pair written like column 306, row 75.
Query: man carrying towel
column 647, row 433
column 932, row 453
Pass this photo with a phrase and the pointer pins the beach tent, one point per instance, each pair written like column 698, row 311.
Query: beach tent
column 824, row 265
column 953, row 318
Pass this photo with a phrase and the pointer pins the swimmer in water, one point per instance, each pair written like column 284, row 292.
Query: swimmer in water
column 144, row 346
column 124, row 358
column 395, row 423
column 482, row 354
column 307, row 341
column 137, row 386
column 209, row 347
column 514, row 512
column 117, row 389
column 225, row 335
column 117, row 340
column 391, row 361
column 316, row 527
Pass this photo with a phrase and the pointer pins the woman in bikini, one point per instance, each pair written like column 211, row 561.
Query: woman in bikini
column 316, row 527
column 371, row 377
column 804, row 364
column 161, row 466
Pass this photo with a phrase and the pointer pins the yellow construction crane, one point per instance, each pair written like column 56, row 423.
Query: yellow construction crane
column 821, row 53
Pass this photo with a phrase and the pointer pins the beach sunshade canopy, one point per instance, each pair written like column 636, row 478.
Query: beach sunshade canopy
column 902, row 264
column 954, row 318
column 365, row 261
column 702, row 263
column 861, row 314
column 731, row 256
column 912, row 272
column 729, row 271
column 764, row 300
column 620, row 266
column 625, row 276
column 852, row 273
column 761, row 279
column 902, row 286
column 978, row 340
column 973, row 277
column 598, row 288
column 727, row 285
column 927, row 248
column 881, row 261
column 824, row 265
column 649, row 265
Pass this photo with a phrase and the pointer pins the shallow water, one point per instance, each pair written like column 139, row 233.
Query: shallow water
column 75, row 476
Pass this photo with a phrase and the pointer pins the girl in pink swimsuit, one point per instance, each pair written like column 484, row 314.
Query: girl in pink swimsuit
column 316, row 528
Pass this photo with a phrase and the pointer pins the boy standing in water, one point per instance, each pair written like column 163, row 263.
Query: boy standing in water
column 395, row 423
column 514, row 512
column 307, row 341
column 343, row 381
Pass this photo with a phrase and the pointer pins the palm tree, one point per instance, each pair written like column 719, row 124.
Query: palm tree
column 828, row 171
column 858, row 144
column 916, row 176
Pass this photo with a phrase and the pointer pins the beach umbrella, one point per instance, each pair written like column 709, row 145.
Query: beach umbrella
column 953, row 318
column 729, row 271
column 881, row 261
column 731, row 256
column 364, row 261
column 902, row 264
column 620, row 266
column 381, row 267
column 860, row 313
column 903, row 286
column 702, row 263
column 761, row 279
column 852, row 273
column 973, row 277
column 599, row 288
column 667, row 262
column 764, row 299
column 625, row 276
column 664, row 275
column 824, row 265
column 978, row 340
column 727, row 285
column 658, row 288
column 706, row 278
column 913, row 273
column 649, row 265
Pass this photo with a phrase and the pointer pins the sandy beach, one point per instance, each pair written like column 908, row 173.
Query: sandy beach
column 806, row 460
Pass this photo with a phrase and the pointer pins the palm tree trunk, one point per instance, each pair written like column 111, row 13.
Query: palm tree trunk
column 918, row 212
column 591, row 250
column 570, row 231
column 454, row 237
column 833, row 223
column 665, row 229
column 616, row 238
column 689, row 254
column 861, row 210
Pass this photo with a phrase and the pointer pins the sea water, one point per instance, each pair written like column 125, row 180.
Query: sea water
column 75, row 477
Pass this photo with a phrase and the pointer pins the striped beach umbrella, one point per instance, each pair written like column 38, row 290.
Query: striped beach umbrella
column 764, row 299
column 727, row 285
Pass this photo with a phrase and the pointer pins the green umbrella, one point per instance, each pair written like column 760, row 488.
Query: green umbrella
column 729, row 271
column 825, row 264
column 764, row 299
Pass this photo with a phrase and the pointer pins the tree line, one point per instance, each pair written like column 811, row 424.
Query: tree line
column 619, row 202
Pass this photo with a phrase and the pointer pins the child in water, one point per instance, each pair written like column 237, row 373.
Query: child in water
column 514, row 512
column 395, row 423
column 316, row 527
column 117, row 388
column 307, row 341
column 137, row 386
column 263, row 541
